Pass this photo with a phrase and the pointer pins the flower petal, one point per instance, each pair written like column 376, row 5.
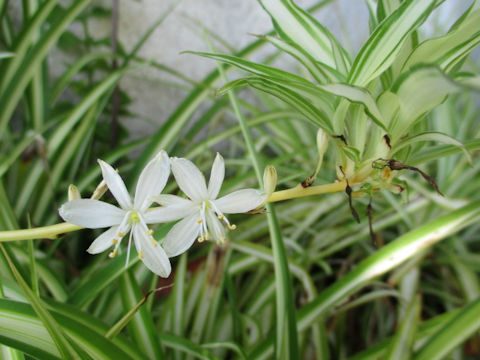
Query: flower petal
column 152, row 180
column 189, row 179
column 215, row 227
column 167, row 200
column 169, row 213
column 182, row 235
column 92, row 214
column 240, row 201
column 103, row 241
column 154, row 257
column 115, row 185
column 216, row 177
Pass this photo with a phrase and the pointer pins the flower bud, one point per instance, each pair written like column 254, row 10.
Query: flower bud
column 269, row 179
column 73, row 193
column 100, row 190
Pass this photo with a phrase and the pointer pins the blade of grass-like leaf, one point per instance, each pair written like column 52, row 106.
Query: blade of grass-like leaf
column 402, row 343
column 86, row 290
column 16, row 86
column 286, row 325
column 456, row 331
column 25, row 40
column 33, row 338
column 64, row 347
column 383, row 45
column 6, row 55
column 292, row 98
column 140, row 326
column 301, row 28
column 62, row 82
column 388, row 258
column 419, row 90
column 178, row 299
column 425, row 331
column 431, row 136
column 448, row 50
column 319, row 73
column 186, row 346
column 440, row 151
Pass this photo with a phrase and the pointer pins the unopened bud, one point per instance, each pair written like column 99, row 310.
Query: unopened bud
column 100, row 190
column 322, row 142
column 73, row 193
column 269, row 179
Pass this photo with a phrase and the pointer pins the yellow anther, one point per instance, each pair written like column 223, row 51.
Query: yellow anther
column 199, row 221
column 221, row 239
column 140, row 254
column 232, row 226
column 150, row 232
column 200, row 239
column 113, row 253
column 207, row 236
column 154, row 243
column 120, row 234
column 114, row 241
column 221, row 217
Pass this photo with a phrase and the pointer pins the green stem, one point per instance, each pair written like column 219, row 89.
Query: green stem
column 48, row 232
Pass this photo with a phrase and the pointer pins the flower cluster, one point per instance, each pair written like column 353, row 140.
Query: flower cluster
column 201, row 215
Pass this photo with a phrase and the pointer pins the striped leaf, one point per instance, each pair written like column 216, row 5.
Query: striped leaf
column 384, row 44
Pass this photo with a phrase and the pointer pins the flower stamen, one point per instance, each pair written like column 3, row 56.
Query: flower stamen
column 113, row 253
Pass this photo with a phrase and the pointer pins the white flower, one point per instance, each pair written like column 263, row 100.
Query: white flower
column 203, row 215
column 131, row 217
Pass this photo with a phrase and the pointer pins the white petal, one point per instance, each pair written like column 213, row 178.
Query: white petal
column 182, row 235
column 103, row 241
column 92, row 214
column 216, row 177
column 240, row 201
column 154, row 257
column 189, row 179
column 115, row 185
column 167, row 200
column 169, row 213
column 215, row 227
column 152, row 180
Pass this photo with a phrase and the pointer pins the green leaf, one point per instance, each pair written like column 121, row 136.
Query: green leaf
column 141, row 326
column 382, row 47
column 448, row 50
column 14, row 88
column 6, row 55
column 419, row 91
column 358, row 95
column 458, row 330
column 402, row 343
column 387, row 258
column 431, row 136
column 296, row 25
column 64, row 347
column 32, row 337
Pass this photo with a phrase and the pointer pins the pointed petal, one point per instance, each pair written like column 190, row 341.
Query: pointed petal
column 154, row 257
column 189, row 179
column 92, row 214
column 240, row 201
column 182, row 236
column 169, row 213
column 103, row 241
column 216, row 177
column 215, row 227
column 167, row 200
column 152, row 180
column 115, row 185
